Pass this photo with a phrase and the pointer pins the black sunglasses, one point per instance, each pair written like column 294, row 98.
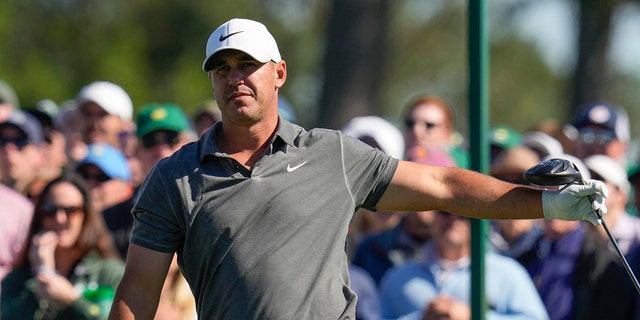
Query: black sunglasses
column 100, row 177
column 51, row 209
column 155, row 138
column 20, row 142
column 411, row 123
column 595, row 136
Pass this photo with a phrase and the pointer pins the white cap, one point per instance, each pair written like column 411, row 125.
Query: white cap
column 248, row 36
column 386, row 135
column 109, row 96
column 609, row 169
column 543, row 143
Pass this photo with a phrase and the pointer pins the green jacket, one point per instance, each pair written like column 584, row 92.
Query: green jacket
column 93, row 272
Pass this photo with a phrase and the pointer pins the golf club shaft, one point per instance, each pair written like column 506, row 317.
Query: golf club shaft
column 615, row 245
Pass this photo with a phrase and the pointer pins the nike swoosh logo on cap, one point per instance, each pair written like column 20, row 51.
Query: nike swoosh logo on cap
column 223, row 38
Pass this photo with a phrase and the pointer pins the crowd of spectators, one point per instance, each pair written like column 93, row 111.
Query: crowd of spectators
column 70, row 173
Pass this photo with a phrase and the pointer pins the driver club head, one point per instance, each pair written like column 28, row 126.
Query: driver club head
column 553, row 172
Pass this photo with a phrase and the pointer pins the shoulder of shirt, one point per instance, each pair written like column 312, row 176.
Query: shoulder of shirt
column 15, row 198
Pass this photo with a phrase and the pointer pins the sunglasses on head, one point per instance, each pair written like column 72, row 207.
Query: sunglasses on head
column 20, row 142
column 51, row 209
column 159, row 137
column 409, row 123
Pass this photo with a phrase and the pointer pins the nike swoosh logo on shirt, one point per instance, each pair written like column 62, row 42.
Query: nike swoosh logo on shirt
column 292, row 169
column 223, row 38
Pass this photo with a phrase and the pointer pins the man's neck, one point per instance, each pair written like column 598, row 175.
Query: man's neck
column 246, row 144
column 452, row 252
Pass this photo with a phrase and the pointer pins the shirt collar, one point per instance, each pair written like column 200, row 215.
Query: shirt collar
column 285, row 131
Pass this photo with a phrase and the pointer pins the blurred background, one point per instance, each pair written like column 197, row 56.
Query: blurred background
column 345, row 57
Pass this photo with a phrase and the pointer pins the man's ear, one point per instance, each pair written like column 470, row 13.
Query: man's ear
column 281, row 73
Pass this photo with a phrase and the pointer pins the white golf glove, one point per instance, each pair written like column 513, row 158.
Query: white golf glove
column 571, row 202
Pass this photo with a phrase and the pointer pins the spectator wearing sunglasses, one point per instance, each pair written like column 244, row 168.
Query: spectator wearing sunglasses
column 106, row 171
column 430, row 123
column 21, row 153
column 602, row 129
column 162, row 128
column 67, row 259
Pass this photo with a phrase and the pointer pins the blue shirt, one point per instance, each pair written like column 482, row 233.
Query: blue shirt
column 406, row 290
column 381, row 251
column 368, row 306
column 552, row 271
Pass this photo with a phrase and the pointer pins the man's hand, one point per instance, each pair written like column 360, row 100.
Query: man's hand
column 572, row 202
column 443, row 307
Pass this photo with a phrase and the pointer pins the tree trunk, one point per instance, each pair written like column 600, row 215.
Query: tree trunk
column 593, row 73
column 354, row 59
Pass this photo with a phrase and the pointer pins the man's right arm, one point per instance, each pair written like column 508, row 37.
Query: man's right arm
column 419, row 187
column 139, row 291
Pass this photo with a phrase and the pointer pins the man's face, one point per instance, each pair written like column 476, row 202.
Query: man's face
column 19, row 158
column 426, row 125
column 596, row 140
column 156, row 145
column 98, row 125
column 246, row 89
column 105, row 191
column 451, row 229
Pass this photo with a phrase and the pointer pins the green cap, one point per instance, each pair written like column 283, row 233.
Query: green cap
column 505, row 137
column 161, row 116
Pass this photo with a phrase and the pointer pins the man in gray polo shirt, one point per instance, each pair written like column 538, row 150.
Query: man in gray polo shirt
column 258, row 208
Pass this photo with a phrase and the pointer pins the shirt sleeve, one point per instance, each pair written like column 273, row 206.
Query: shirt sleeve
column 368, row 171
column 156, row 223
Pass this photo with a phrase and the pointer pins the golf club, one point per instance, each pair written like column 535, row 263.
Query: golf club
column 555, row 172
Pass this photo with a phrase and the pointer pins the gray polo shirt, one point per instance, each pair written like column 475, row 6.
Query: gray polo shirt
column 267, row 243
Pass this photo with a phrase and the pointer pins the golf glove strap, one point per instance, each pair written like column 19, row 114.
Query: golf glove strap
column 572, row 203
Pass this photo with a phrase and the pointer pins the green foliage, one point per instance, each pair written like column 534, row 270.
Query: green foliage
column 428, row 56
column 523, row 90
column 154, row 49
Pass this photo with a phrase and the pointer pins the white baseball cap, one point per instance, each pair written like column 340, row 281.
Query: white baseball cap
column 248, row 36
column 386, row 135
column 609, row 169
column 109, row 96
column 543, row 143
